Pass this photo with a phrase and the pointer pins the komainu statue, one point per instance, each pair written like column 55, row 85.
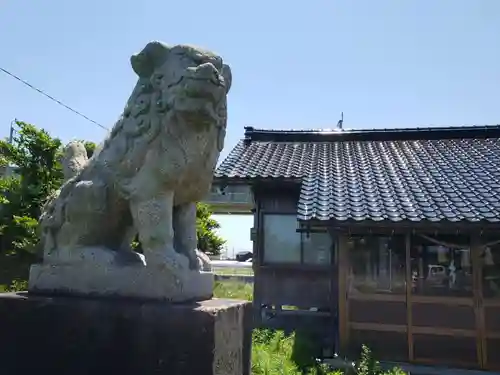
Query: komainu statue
column 145, row 179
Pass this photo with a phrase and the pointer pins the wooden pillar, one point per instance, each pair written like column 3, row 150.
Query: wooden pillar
column 258, row 260
column 477, row 278
column 334, row 284
column 409, row 286
column 343, row 303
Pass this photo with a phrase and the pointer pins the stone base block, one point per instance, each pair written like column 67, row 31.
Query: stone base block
column 118, row 281
column 80, row 336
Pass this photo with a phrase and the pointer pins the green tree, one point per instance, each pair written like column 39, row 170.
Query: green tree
column 208, row 239
column 89, row 147
column 34, row 155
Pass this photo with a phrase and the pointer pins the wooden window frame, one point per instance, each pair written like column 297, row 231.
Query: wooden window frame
column 476, row 302
column 301, row 265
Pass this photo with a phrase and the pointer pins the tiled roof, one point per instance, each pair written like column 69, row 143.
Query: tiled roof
column 433, row 174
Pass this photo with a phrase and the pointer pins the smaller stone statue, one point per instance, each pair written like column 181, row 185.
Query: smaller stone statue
column 74, row 159
column 145, row 179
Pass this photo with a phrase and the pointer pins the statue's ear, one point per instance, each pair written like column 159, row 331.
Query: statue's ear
column 153, row 55
column 228, row 77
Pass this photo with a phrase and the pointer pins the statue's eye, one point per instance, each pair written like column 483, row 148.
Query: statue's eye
column 198, row 58
column 218, row 63
column 198, row 62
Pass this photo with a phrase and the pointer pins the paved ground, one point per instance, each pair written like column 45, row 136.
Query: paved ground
column 230, row 264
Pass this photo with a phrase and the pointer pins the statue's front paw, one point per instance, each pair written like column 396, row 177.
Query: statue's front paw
column 204, row 263
column 169, row 259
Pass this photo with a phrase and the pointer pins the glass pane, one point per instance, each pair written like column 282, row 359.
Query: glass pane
column 377, row 264
column 441, row 265
column 317, row 248
column 490, row 261
column 490, row 256
column 281, row 240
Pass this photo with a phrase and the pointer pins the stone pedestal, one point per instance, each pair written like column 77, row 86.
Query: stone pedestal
column 80, row 336
column 93, row 279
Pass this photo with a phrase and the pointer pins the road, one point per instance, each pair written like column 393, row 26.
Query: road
column 230, row 264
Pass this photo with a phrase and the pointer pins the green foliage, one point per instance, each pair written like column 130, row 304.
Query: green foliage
column 206, row 226
column 274, row 353
column 367, row 365
column 14, row 270
column 17, row 285
column 35, row 156
column 28, row 226
column 306, row 349
column 89, row 147
column 234, row 290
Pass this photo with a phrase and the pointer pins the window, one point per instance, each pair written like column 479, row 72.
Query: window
column 490, row 255
column 316, row 248
column 281, row 240
column 441, row 265
column 377, row 264
column 283, row 244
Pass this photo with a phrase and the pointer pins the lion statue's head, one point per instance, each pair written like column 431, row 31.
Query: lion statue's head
column 186, row 78
column 177, row 85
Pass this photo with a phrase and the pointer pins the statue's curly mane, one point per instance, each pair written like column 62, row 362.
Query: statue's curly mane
column 122, row 151
column 131, row 136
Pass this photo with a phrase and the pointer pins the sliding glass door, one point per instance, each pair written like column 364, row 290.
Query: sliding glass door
column 443, row 306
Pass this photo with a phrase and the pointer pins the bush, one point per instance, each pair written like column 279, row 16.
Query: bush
column 272, row 353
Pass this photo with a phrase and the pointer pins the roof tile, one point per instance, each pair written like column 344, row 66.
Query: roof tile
column 455, row 179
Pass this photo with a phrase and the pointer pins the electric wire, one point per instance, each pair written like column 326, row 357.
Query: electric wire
column 51, row 97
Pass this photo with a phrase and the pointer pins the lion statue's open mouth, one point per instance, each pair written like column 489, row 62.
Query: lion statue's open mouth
column 197, row 85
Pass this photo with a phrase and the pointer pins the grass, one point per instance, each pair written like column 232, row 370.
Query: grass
column 15, row 286
column 14, row 272
column 234, row 290
column 243, row 271
column 274, row 353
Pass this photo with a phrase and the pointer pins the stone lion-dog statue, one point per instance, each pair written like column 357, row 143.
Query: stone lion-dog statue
column 145, row 179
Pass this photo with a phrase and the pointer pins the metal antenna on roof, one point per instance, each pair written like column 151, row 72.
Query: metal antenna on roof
column 341, row 121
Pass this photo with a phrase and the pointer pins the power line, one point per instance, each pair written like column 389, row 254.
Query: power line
column 52, row 98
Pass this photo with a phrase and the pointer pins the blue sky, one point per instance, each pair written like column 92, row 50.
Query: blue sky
column 384, row 63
